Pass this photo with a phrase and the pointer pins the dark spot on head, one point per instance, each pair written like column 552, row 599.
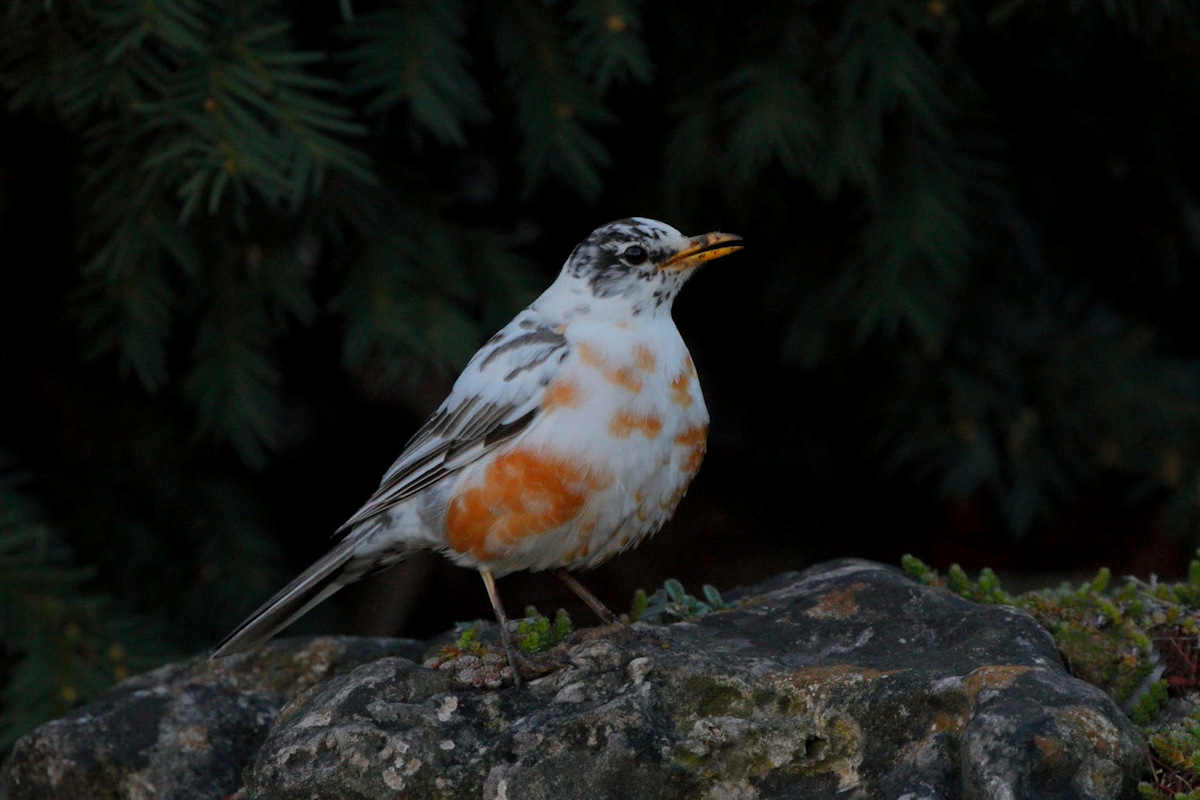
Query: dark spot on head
column 618, row 252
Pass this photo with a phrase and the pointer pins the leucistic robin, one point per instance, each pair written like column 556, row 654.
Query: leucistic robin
column 569, row 437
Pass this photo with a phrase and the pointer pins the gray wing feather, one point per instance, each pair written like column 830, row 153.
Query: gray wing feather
column 515, row 367
column 467, row 426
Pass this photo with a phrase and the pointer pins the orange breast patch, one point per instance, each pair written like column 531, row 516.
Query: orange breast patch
column 523, row 493
column 625, row 422
column 694, row 440
column 626, row 377
column 643, row 358
column 680, row 390
column 560, row 394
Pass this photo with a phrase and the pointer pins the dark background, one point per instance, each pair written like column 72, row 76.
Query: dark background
column 237, row 277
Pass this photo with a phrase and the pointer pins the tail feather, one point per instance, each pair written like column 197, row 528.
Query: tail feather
column 314, row 585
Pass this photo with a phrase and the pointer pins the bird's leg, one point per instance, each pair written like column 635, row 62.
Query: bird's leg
column 593, row 602
column 517, row 661
column 613, row 627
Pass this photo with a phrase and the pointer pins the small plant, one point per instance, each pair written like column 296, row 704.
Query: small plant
column 473, row 662
column 537, row 633
column 1139, row 642
column 672, row 603
column 1174, row 761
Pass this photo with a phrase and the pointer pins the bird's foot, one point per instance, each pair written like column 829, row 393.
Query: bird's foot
column 527, row 667
column 618, row 632
column 621, row 633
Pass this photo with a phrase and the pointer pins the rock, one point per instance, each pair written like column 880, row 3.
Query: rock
column 185, row 730
column 846, row 680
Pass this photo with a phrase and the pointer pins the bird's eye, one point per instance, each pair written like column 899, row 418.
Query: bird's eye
column 633, row 255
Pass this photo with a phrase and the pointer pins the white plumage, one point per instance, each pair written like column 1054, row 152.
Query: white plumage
column 570, row 436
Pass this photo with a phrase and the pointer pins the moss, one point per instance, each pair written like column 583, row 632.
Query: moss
column 838, row 750
column 711, row 698
column 1150, row 704
column 1115, row 637
column 693, row 762
column 773, row 702
column 537, row 633
column 1175, row 751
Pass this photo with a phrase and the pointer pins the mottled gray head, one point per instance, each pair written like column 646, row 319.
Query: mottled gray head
column 643, row 259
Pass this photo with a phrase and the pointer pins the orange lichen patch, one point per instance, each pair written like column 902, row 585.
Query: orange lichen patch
column 561, row 394
column 626, row 376
column 681, row 394
column 643, row 358
column 947, row 722
column 1051, row 749
column 994, row 677
column 522, row 493
column 836, row 605
column 625, row 422
column 835, row 675
column 1099, row 732
column 193, row 737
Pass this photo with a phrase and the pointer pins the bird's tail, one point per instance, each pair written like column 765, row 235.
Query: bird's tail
column 342, row 565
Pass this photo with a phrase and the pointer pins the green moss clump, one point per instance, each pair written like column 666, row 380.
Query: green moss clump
column 1175, row 751
column 537, row 633
column 713, row 698
column 1138, row 641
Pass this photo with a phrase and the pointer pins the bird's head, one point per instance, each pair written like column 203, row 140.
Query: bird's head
column 643, row 260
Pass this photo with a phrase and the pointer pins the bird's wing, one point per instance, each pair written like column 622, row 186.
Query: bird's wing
column 495, row 398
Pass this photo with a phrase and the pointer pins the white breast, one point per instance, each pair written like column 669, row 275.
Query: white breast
column 626, row 407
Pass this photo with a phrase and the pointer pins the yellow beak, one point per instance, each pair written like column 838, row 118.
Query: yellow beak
column 703, row 248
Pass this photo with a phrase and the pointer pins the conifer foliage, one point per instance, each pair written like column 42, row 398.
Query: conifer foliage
column 978, row 221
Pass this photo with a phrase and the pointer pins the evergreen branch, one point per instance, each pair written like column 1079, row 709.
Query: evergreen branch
column 234, row 381
column 405, row 299
column 773, row 117
column 125, row 305
column 555, row 105
column 608, row 42
column 913, row 251
column 1041, row 396
column 394, row 320
column 414, row 55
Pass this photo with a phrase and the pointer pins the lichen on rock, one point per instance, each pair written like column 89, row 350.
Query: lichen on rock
column 847, row 679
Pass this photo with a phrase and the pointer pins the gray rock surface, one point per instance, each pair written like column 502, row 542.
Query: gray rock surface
column 185, row 730
column 846, row 680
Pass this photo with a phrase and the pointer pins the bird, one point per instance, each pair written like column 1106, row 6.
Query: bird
column 569, row 437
